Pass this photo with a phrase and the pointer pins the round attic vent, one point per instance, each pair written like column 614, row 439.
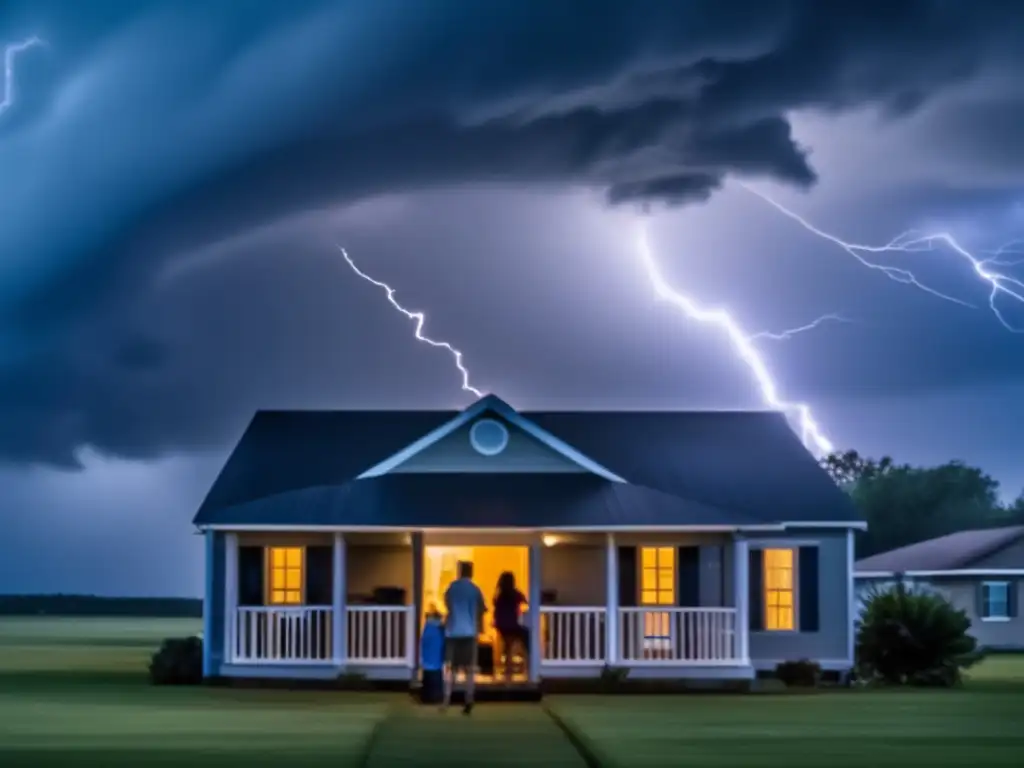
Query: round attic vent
column 488, row 437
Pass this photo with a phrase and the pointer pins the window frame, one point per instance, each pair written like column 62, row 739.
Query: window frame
column 268, row 567
column 794, row 547
column 986, row 601
column 657, row 612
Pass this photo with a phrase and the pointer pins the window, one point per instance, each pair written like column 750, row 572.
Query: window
column 284, row 575
column 778, row 589
column 995, row 600
column 657, row 587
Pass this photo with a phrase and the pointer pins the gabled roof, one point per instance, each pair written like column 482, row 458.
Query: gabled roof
column 955, row 552
column 748, row 465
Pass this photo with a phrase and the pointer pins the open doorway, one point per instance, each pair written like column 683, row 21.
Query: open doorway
column 440, row 568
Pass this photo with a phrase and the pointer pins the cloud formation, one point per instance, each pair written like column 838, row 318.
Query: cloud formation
column 148, row 131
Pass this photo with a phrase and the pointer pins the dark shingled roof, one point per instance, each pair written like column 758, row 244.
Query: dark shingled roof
column 435, row 499
column 954, row 552
column 748, row 467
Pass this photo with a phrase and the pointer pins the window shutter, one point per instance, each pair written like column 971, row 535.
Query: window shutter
column 688, row 577
column 627, row 577
column 755, row 583
column 250, row 576
column 1011, row 599
column 808, row 595
column 979, row 600
column 319, row 566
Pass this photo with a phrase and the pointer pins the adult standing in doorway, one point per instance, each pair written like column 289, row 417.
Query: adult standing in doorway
column 466, row 608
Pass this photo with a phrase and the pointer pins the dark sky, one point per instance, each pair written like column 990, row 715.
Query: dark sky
column 174, row 178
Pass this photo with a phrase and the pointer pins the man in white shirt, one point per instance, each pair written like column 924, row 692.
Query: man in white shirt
column 466, row 608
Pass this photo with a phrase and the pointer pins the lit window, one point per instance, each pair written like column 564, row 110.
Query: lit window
column 778, row 589
column 995, row 600
column 284, row 575
column 657, row 587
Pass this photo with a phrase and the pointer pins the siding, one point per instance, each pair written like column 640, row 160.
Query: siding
column 994, row 634
column 831, row 642
column 454, row 453
column 381, row 566
column 218, row 582
column 576, row 573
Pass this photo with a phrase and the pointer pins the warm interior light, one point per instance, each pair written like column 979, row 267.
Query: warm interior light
column 549, row 541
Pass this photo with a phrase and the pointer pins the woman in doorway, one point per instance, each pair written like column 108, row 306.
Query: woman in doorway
column 508, row 604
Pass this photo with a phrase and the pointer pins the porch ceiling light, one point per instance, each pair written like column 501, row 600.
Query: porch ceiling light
column 488, row 437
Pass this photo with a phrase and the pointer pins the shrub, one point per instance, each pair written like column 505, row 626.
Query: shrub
column 913, row 637
column 178, row 662
column 799, row 674
column 612, row 678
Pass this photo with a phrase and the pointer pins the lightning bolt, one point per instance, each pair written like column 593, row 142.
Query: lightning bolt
column 810, row 432
column 913, row 241
column 791, row 332
column 11, row 52
column 420, row 319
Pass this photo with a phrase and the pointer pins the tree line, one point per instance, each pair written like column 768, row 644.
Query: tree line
column 904, row 504
column 93, row 605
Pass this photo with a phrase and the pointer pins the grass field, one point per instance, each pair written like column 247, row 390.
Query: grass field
column 74, row 692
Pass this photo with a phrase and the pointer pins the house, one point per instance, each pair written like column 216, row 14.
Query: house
column 980, row 571
column 699, row 545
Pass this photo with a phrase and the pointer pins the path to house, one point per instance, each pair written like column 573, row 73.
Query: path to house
column 495, row 734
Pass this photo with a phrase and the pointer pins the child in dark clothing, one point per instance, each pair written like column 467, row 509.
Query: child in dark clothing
column 508, row 604
column 432, row 658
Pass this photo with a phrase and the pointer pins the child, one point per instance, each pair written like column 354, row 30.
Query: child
column 432, row 658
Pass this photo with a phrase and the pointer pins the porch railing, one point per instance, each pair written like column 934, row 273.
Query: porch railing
column 572, row 635
column 381, row 634
column 657, row 635
column 292, row 634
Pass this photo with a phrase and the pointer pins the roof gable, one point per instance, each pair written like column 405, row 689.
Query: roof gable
column 483, row 406
column 457, row 453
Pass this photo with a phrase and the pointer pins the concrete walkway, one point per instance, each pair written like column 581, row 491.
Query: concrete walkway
column 495, row 734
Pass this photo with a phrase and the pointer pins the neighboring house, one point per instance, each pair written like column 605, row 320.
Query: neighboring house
column 678, row 544
column 979, row 571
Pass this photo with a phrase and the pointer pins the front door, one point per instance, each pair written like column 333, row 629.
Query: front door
column 440, row 569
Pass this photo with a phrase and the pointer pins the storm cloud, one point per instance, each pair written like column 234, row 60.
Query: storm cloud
column 148, row 133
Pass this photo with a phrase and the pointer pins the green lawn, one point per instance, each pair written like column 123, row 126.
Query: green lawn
column 74, row 692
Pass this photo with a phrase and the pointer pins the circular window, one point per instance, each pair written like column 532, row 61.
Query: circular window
column 488, row 437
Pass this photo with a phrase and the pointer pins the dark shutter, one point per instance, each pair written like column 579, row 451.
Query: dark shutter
column 1011, row 599
column 319, row 567
column 808, row 593
column 627, row 577
column 979, row 600
column 755, row 596
column 688, row 577
column 250, row 575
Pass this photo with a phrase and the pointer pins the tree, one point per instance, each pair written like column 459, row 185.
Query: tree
column 904, row 504
column 849, row 467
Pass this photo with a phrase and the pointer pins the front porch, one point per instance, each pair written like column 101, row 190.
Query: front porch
column 351, row 629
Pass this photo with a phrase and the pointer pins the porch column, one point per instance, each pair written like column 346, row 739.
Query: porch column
column 339, row 648
column 415, row 623
column 230, row 596
column 536, row 630
column 741, row 588
column 611, row 619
